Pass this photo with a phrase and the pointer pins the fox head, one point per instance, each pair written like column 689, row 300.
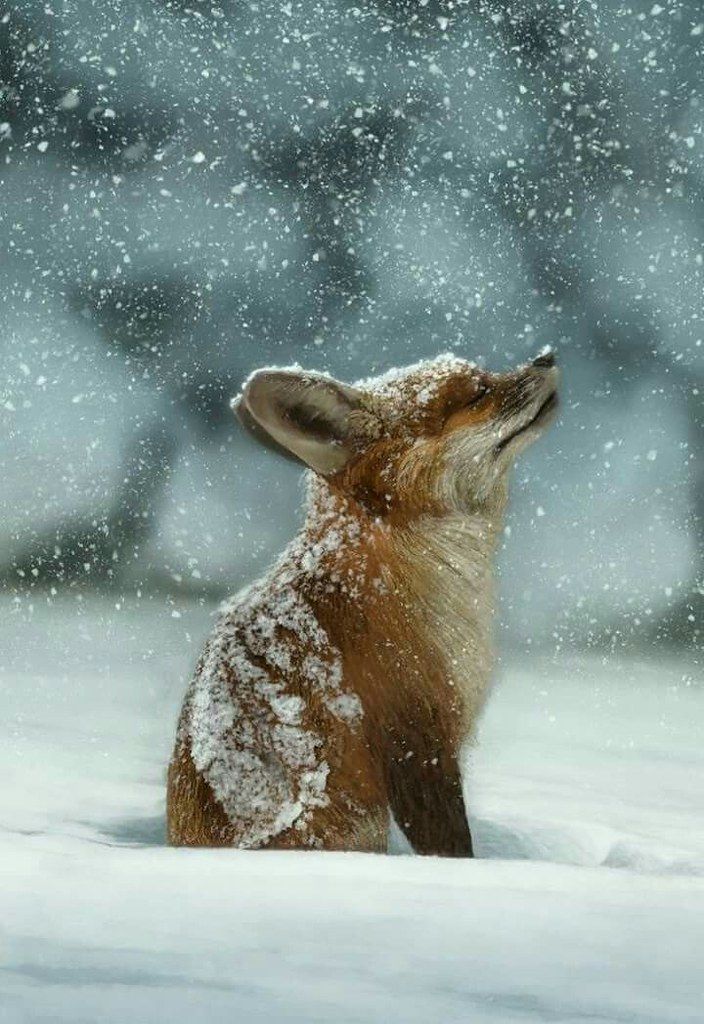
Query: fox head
column 439, row 436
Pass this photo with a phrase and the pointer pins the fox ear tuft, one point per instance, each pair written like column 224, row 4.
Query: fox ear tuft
column 306, row 414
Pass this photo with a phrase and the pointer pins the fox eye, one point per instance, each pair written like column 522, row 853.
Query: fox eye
column 481, row 392
column 460, row 404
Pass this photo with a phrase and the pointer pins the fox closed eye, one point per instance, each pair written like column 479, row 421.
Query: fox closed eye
column 481, row 393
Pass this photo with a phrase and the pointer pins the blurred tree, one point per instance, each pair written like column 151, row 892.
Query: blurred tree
column 214, row 186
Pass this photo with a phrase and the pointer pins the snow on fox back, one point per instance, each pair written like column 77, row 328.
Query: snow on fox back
column 250, row 736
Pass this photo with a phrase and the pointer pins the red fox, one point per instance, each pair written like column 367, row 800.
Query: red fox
column 343, row 684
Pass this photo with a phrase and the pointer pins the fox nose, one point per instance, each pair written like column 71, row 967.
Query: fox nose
column 546, row 359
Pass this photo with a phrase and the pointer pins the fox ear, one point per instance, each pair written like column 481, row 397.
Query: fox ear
column 309, row 416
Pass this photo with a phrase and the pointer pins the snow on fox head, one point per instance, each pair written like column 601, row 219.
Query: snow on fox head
column 438, row 436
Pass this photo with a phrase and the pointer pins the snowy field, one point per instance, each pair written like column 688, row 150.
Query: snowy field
column 587, row 902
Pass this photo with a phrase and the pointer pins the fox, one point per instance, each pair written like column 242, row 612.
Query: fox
column 339, row 690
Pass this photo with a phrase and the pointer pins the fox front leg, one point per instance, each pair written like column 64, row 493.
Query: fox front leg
column 425, row 795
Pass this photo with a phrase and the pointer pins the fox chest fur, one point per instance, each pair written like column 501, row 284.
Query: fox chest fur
column 344, row 683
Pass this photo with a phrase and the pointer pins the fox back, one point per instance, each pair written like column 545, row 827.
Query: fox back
column 343, row 683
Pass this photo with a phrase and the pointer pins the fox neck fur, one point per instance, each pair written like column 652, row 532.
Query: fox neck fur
column 409, row 605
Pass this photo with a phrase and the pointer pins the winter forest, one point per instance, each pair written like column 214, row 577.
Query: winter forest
column 192, row 190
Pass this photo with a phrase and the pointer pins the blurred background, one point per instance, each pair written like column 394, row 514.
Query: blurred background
column 194, row 189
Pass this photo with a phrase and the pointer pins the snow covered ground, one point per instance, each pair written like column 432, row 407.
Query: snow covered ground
column 587, row 902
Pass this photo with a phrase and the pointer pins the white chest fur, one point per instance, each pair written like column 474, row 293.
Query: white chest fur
column 450, row 575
